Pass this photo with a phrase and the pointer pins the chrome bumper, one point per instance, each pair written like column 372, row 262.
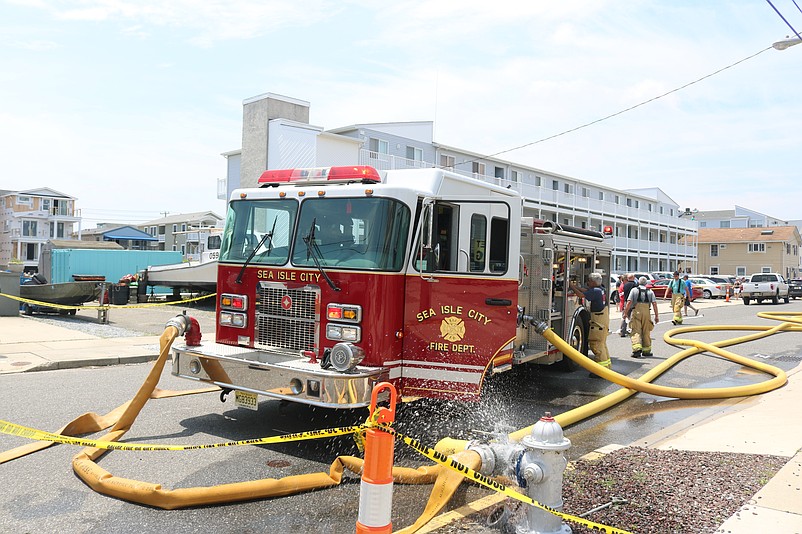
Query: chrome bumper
column 276, row 375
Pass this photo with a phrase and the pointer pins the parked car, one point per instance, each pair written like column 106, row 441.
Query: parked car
column 660, row 287
column 795, row 288
column 710, row 289
column 764, row 286
column 726, row 282
column 660, row 275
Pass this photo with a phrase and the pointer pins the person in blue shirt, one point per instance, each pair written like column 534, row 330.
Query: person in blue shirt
column 599, row 318
column 677, row 289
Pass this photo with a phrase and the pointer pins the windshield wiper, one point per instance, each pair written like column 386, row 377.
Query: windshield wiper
column 261, row 242
column 313, row 251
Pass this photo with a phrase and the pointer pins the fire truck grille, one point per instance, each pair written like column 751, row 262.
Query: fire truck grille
column 287, row 319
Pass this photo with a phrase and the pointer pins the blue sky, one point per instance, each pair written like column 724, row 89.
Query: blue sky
column 127, row 104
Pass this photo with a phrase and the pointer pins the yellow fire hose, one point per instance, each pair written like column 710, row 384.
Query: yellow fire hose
column 445, row 481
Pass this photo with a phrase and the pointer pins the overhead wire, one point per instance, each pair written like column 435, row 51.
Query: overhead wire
column 784, row 19
column 618, row 112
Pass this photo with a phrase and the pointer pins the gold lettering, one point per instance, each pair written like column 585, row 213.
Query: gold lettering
column 450, row 310
column 425, row 314
column 479, row 317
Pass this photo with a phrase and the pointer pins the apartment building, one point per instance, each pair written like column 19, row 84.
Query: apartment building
column 182, row 232
column 747, row 250
column 649, row 232
column 30, row 218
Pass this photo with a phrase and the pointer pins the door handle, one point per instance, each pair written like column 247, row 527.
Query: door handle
column 498, row 302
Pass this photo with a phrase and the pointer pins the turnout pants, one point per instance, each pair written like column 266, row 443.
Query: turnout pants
column 677, row 303
column 642, row 327
column 597, row 336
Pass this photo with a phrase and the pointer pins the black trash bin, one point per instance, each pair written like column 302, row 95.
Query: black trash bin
column 119, row 294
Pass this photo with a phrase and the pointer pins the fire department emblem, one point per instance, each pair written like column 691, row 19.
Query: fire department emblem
column 286, row 302
column 452, row 329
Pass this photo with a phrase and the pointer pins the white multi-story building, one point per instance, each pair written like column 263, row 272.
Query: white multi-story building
column 649, row 233
column 28, row 219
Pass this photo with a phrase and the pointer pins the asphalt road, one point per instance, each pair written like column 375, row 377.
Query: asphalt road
column 41, row 494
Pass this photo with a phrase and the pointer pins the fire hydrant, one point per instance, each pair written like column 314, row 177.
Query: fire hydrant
column 541, row 467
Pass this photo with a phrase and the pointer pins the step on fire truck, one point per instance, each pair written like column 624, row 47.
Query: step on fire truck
column 333, row 279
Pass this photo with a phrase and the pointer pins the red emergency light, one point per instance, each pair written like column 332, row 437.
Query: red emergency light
column 608, row 231
column 353, row 173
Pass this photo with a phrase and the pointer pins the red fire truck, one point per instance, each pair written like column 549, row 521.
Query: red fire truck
column 333, row 279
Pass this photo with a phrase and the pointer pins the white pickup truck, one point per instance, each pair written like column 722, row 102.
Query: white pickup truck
column 765, row 286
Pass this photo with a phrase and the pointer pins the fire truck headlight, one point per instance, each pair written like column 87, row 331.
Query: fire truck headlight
column 346, row 356
column 337, row 332
column 236, row 320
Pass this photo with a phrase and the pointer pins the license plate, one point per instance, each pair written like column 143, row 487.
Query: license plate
column 244, row 399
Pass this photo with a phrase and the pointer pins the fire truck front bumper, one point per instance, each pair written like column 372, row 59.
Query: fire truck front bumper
column 276, row 375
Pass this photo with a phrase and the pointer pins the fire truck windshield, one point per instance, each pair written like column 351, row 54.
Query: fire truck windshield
column 356, row 233
column 249, row 225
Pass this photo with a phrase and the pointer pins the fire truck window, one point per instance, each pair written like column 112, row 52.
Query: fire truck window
column 248, row 221
column 357, row 233
column 478, row 253
column 445, row 238
column 499, row 244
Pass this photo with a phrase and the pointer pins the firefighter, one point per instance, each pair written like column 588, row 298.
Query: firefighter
column 678, row 291
column 599, row 318
column 637, row 309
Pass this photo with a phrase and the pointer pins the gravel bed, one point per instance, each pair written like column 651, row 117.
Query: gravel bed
column 87, row 327
column 668, row 491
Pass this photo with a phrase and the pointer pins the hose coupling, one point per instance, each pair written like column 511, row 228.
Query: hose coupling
column 180, row 322
column 540, row 327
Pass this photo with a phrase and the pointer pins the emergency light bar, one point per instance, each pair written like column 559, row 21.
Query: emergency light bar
column 354, row 173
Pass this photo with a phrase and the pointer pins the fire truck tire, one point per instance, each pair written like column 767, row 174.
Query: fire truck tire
column 578, row 339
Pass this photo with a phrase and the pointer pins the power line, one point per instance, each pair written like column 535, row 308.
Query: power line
column 620, row 112
column 785, row 21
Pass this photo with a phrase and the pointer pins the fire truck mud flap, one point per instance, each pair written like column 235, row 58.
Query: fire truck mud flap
column 276, row 375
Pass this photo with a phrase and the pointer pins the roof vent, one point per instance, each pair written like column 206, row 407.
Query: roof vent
column 766, row 232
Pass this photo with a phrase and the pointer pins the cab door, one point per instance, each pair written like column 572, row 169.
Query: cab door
column 460, row 311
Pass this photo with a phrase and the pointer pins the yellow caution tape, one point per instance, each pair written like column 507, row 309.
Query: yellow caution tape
column 104, row 306
column 40, row 435
column 488, row 482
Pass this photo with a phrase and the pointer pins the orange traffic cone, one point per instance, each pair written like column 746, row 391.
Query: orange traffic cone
column 727, row 290
column 376, row 493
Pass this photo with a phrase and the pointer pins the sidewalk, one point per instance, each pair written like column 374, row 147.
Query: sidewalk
column 762, row 424
column 26, row 345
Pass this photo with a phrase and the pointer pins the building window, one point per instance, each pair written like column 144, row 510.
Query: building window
column 788, row 248
column 765, row 269
column 586, row 192
column 713, row 251
column 567, row 188
column 499, row 173
column 555, row 185
column 661, row 210
column 414, row 153
column 378, row 146
column 60, row 229
column 714, row 270
column 45, row 204
column 538, row 181
column 184, row 227
column 629, row 202
column 702, row 224
column 649, row 207
column 447, row 162
column 478, row 168
column 24, row 201
column 601, row 195
column 757, row 247
column 617, row 199
column 515, row 176
column 725, row 224
column 29, row 228
column 740, row 270
column 175, row 228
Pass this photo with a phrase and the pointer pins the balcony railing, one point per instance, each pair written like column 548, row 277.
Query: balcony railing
column 576, row 204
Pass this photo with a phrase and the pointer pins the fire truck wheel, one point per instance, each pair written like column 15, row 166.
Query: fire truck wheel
column 578, row 338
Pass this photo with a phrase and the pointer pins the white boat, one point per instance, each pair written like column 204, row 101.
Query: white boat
column 198, row 272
